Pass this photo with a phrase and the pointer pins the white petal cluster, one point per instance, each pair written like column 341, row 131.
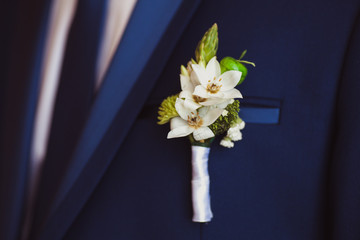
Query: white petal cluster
column 207, row 86
column 226, row 142
column 204, row 96
column 234, row 132
column 193, row 120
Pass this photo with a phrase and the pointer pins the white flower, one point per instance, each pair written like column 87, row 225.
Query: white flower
column 226, row 142
column 224, row 113
column 223, row 104
column 214, row 86
column 188, row 85
column 193, row 120
column 240, row 125
column 234, row 134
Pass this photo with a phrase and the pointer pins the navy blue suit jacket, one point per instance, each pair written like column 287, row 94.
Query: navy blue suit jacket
column 295, row 174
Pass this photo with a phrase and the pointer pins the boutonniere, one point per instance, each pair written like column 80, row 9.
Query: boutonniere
column 206, row 108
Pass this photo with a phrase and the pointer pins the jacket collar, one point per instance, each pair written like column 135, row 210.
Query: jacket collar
column 151, row 34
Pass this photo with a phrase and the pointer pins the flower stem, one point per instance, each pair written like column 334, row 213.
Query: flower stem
column 202, row 143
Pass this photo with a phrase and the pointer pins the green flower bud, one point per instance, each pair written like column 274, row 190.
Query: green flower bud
column 184, row 71
column 208, row 45
column 229, row 63
column 167, row 110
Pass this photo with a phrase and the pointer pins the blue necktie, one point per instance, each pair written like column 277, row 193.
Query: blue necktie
column 73, row 100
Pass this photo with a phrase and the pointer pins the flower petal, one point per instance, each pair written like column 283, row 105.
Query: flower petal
column 224, row 103
column 229, row 79
column 216, row 95
column 177, row 122
column 213, row 101
column 201, row 91
column 181, row 109
column 242, row 125
column 226, row 142
column 191, row 104
column 194, row 79
column 200, row 74
column 232, row 93
column 203, row 133
column 209, row 115
column 186, row 84
column 186, row 95
column 180, row 132
column 213, row 69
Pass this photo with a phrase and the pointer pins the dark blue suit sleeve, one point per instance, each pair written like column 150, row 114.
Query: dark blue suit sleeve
column 345, row 167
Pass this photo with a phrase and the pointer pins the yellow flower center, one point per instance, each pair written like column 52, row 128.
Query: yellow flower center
column 213, row 87
column 198, row 99
column 195, row 121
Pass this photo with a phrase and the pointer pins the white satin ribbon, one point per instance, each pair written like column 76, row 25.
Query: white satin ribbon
column 200, row 184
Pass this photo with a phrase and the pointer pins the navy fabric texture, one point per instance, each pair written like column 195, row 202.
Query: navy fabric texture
column 275, row 183
column 293, row 176
column 345, row 165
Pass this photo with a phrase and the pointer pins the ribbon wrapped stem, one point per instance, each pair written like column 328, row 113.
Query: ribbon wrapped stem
column 200, row 184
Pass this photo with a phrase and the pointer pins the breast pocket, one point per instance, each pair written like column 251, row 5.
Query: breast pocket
column 260, row 110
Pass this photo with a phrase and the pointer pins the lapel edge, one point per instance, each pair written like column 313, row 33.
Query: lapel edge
column 68, row 208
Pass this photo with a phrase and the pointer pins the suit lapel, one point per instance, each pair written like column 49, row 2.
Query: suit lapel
column 151, row 34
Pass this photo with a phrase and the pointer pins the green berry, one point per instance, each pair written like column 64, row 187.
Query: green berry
column 229, row 63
